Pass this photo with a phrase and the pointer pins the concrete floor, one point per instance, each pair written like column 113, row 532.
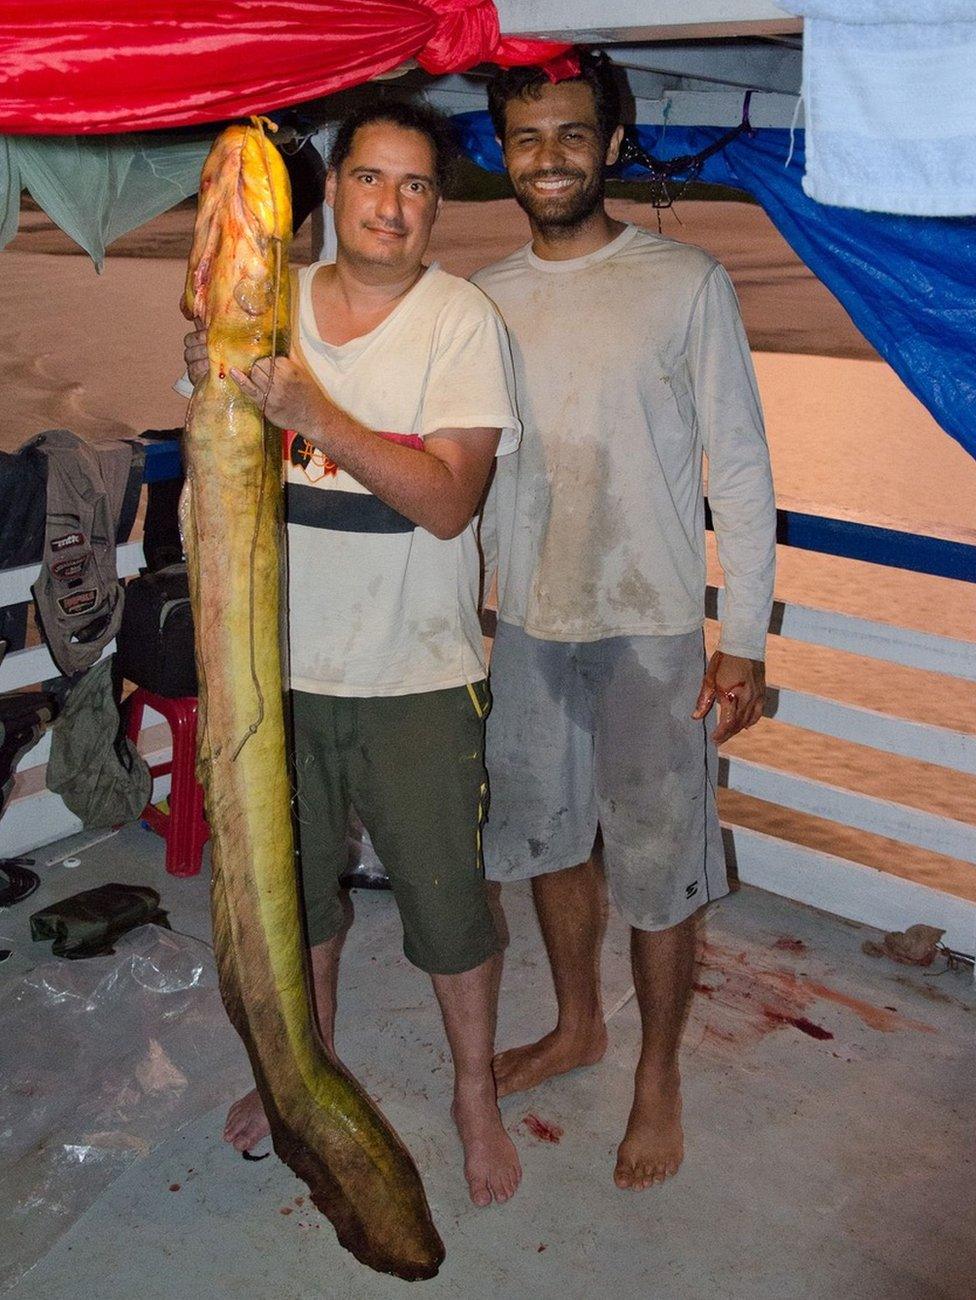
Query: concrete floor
column 829, row 1118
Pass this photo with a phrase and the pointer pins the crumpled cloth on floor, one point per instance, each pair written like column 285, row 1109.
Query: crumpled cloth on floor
column 89, row 923
column 890, row 105
column 916, row 946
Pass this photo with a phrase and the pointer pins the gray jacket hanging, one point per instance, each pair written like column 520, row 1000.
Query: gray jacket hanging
column 78, row 594
column 94, row 767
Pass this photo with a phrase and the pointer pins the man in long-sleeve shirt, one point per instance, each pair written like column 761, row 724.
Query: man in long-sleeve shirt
column 631, row 362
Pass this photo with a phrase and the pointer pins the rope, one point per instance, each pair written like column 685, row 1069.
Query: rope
column 689, row 165
column 259, row 124
column 796, row 114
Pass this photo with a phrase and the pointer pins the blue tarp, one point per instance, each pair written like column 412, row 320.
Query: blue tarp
column 907, row 282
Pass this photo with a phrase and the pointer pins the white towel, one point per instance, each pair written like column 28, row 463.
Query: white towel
column 890, row 104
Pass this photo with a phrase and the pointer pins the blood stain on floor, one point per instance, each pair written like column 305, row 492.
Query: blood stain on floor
column 880, row 1018
column 929, row 991
column 799, row 1022
column 787, row 944
column 542, row 1129
column 745, row 995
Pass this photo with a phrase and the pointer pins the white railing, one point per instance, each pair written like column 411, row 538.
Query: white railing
column 35, row 816
column 839, row 885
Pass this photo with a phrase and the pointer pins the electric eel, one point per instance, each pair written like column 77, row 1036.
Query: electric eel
column 323, row 1125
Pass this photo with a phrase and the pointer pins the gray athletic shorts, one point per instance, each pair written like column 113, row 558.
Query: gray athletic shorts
column 595, row 733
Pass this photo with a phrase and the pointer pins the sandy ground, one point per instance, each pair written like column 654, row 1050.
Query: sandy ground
column 98, row 354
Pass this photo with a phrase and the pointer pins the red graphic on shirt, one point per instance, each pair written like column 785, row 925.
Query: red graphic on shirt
column 314, row 464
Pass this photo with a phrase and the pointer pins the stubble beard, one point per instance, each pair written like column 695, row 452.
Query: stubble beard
column 555, row 222
column 378, row 258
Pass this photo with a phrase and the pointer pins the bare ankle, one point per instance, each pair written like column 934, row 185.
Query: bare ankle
column 581, row 1028
column 659, row 1065
column 475, row 1086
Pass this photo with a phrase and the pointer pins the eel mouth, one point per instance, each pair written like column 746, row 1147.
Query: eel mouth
column 238, row 224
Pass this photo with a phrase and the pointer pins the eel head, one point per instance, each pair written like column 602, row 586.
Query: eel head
column 237, row 278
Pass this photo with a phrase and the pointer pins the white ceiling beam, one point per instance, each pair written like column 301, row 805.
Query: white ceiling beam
column 759, row 65
column 717, row 108
column 722, row 108
column 603, row 22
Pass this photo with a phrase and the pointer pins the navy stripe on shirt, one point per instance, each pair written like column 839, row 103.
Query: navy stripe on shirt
column 342, row 512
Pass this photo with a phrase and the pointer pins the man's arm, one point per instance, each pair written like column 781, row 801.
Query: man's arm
column 740, row 492
column 438, row 489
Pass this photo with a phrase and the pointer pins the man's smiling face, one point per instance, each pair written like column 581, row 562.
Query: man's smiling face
column 385, row 197
column 555, row 155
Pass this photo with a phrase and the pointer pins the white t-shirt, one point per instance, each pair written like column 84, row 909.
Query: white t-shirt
column 378, row 605
column 630, row 363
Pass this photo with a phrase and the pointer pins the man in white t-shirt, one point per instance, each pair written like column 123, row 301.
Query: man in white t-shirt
column 397, row 397
column 631, row 362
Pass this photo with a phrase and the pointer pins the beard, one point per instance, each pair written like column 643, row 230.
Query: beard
column 559, row 214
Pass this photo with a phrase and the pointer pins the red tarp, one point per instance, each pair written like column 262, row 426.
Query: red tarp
column 94, row 66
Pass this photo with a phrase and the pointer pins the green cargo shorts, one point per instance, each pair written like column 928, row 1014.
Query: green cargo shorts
column 413, row 768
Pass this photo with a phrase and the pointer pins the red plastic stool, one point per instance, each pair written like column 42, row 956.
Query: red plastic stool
column 184, row 827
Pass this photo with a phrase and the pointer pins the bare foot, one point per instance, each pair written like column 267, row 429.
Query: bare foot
column 491, row 1163
column 246, row 1123
column 522, row 1068
column 653, row 1146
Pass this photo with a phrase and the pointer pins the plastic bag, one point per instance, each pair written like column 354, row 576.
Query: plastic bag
column 102, row 1061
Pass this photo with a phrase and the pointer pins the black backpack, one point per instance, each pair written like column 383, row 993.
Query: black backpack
column 154, row 646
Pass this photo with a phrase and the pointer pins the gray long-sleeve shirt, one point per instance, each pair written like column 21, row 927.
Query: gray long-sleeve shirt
column 630, row 363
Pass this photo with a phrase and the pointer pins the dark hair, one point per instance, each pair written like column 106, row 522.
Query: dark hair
column 426, row 121
column 528, row 83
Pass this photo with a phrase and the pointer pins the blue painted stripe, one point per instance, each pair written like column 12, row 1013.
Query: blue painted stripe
column 896, row 550
column 887, row 546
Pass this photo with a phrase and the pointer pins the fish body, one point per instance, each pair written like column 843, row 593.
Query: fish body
column 323, row 1124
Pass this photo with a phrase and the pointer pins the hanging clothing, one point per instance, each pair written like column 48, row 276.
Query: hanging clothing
column 91, row 487
column 890, row 104
column 94, row 767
